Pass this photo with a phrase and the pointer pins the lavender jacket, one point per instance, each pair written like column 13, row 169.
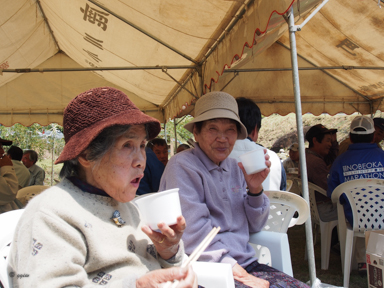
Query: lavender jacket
column 212, row 196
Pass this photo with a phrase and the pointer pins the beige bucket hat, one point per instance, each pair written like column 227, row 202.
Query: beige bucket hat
column 217, row 105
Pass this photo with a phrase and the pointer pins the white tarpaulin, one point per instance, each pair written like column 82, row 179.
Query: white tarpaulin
column 77, row 33
column 202, row 39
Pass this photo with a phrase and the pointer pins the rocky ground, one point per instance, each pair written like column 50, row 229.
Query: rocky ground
column 279, row 132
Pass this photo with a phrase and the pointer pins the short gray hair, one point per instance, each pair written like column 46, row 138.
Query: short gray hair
column 100, row 146
column 32, row 155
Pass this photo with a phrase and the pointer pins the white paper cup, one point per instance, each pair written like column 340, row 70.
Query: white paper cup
column 160, row 207
column 253, row 161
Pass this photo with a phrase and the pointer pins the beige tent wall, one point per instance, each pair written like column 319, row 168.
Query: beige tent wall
column 42, row 97
column 273, row 91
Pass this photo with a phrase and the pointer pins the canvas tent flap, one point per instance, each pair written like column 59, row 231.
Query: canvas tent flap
column 25, row 41
column 272, row 91
column 350, row 34
column 219, row 35
column 42, row 97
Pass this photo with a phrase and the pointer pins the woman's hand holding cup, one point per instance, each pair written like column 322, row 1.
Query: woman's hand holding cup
column 166, row 241
column 255, row 180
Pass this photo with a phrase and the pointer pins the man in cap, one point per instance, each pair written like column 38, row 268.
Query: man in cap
column 352, row 164
column 322, row 151
column 8, row 180
column 377, row 137
column 250, row 116
column 293, row 160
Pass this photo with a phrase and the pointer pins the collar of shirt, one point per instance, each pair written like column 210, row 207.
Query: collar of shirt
column 360, row 146
column 84, row 186
column 313, row 153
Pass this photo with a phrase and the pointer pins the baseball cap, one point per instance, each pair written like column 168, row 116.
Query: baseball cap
column 362, row 125
column 294, row 147
column 379, row 122
column 5, row 142
column 317, row 130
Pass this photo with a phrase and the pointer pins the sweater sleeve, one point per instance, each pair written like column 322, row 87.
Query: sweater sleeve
column 8, row 184
column 51, row 253
column 195, row 211
column 257, row 212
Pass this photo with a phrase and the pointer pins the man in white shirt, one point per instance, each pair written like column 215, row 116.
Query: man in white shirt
column 22, row 173
column 37, row 173
column 250, row 116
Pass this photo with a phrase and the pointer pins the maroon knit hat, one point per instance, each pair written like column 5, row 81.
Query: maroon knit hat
column 92, row 111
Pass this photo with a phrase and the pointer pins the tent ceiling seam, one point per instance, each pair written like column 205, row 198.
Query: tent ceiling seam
column 144, row 32
column 227, row 29
column 46, row 21
column 178, row 90
column 182, row 85
column 326, row 72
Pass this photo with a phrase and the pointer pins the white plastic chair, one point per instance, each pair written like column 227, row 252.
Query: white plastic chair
column 24, row 195
column 366, row 197
column 289, row 184
column 325, row 227
column 283, row 206
column 8, row 224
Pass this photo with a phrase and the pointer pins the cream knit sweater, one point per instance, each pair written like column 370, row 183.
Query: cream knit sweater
column 66, row 238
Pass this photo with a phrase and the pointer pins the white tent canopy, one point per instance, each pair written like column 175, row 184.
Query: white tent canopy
column 187, row 48
column 160, row 35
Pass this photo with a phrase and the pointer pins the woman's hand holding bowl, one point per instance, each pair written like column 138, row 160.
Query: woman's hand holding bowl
column 166, row 242
column 254, row 181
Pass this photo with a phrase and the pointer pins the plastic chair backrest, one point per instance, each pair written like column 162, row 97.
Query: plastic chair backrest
column 8, row 224
column 27, row 193
column 283, row 206
column 366, row 197
column 289, row 184
column 312, row 188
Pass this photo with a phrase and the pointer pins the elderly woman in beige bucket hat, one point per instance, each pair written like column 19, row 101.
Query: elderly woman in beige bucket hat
column 84, row 232
column 215, row 192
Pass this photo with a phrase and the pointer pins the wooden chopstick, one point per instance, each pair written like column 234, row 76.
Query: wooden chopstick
column 202, row 246
column 196, row 253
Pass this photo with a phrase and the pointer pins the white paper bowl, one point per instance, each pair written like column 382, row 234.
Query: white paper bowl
column 253, row 161
column 160, row 207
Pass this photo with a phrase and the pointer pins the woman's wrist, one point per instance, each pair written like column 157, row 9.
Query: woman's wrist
column 169, row 253
column 255, row 192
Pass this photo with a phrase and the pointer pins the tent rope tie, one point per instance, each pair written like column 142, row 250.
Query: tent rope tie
column 378, row 3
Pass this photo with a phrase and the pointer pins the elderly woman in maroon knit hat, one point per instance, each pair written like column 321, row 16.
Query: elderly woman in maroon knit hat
column 84, row 231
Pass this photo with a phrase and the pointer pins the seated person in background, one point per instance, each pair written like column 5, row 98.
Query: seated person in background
column 293, row 160
column 182, row 147
column 358, row 162
column 84, row 232
column 22, row 173
column 250, row 116
column 215, row 192
column 322, row 144
column 152, row 174
column 377, row 137
column 37, row 173
column 8, row 180
column 160, row 147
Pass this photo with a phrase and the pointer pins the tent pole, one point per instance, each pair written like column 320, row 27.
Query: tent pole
column 300, row 133
column 175, row 126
